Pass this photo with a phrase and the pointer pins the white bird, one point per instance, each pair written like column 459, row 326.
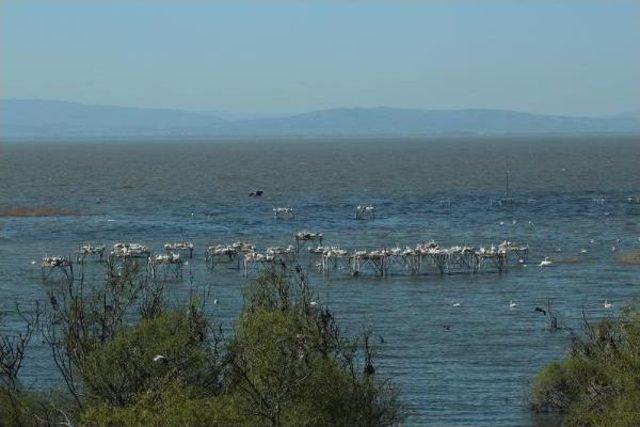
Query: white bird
column 592, row 241
column 33, row 261
column 607, row 305
column 313, row 303
column 457, row 304
column 583, row 251
column 215, row 301
column 512, row 305
column 501, row 222
column 159, row 358
column 546, row 262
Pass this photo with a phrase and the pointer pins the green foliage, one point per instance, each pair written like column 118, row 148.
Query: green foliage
column 287, row 364
column 293, row 367
column 124, row 367
column 172, row 405
column 15, row 407
column 24, row 408
column 598, row 383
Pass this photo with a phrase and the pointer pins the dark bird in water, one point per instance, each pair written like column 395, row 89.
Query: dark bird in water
column 447, row 327
column 256, row 193
column 54, row 302
column 540, row 310
column 381, row 339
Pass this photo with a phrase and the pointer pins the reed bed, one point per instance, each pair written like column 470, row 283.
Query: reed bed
column 629, row 258
column 37, row 211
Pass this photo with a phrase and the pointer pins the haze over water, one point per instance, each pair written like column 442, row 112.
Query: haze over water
column 468, row 365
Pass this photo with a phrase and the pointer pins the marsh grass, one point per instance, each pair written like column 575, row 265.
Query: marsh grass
column 629, row 258
column 37, row 211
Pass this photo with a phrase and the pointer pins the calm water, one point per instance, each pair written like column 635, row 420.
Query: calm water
column 477, row 372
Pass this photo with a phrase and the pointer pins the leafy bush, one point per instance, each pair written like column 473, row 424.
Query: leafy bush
column 174, row 404
column 598, row 383
column 146, row 357
column 287, row 363
column 27, row 408
column 292, row 365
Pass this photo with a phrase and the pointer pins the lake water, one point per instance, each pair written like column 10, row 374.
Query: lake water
column 475, row 372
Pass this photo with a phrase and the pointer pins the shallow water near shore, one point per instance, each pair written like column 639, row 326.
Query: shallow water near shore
column 467, row 365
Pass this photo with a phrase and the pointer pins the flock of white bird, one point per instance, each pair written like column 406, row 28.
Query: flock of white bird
column 364, row 211
column 513, row 305
column 250, row 254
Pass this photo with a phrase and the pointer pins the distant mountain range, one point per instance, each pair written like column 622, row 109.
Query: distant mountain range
column 46, row 120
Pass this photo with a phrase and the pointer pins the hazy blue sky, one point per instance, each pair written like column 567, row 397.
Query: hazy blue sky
column 573, row 57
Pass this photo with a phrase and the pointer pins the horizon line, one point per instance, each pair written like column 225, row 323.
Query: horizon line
column 213, row 110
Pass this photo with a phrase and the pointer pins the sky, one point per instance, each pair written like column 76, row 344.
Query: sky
column 557, row 57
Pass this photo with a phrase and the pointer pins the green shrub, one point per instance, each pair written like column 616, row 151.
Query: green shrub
column 287, row 364
column 124, row 367
column 598, row 382
column 26, row 408
column 173, row 405
column 292, row 365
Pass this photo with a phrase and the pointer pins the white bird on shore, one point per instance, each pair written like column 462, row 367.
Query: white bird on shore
column 607, row 305
column 159, row 358
column 512, row 305
column 546, row 262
